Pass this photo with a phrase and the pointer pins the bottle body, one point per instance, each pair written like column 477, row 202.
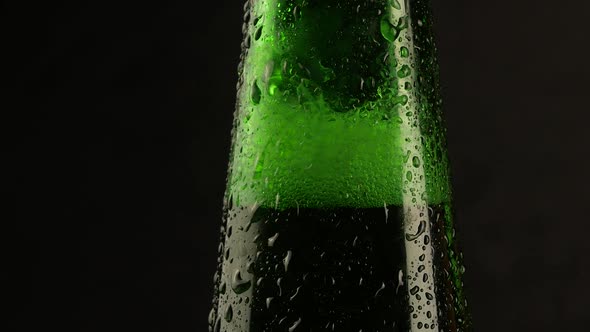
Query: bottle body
column 337, row 215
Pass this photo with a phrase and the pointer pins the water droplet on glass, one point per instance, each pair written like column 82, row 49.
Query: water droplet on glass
column 238, row 284
column 250, row 267
column 429, row 296
column 294, row 326
column 217, row 326
column 408, row 86
column 400, row 280
column 422, row 257
column 416, row 161
column 421, row 228
column 404, row 52
column 268, row 301
column 414, row 290
column 229, row 313
column 294, row 295
column 258, row 33
column 401, row 100
column 211, row 318
column 388, row 31
column 404, row 71
column 256, row 93
column 380, row 289
column 409, row 176
column 287, row 259
column 421, row 268
column 420, row 325
column 271, row 240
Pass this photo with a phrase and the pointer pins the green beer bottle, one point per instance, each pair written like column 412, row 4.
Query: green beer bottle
column 337, row 213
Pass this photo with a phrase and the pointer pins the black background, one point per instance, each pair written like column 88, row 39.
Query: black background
column 124, row 115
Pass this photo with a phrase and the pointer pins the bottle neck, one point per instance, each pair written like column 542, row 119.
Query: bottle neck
column 339, row 107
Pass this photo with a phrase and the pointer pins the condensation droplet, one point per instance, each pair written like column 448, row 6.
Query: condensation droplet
column 380, row 289
column 258, row 33
column 404, row 71
column 388, row 31
column 414, row 290
column 408, row 86
column 229, row 313
column 416, row 161
column 250, row 267
column 238, row 284
column 421, row 228
column 294, row 295
column 211, row 318
column 217, row 326
column 256, row 93
column 271, row 240
column 404, row 52
column 400, row 280
column 279, row 284
column 287, row 259
column 294, row 326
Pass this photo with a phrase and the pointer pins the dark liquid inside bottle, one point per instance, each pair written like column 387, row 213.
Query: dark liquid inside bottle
column 341, row 269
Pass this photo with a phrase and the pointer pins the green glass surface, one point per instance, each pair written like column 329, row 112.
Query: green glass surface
column 327, row 89
column 338, row 210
